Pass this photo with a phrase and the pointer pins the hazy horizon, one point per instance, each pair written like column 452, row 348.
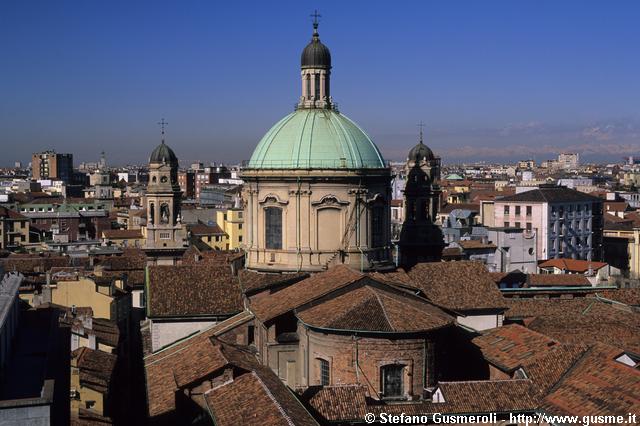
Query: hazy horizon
column 496, row 81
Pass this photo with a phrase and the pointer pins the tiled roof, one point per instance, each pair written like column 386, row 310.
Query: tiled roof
column 372, row 309
column 114, row 234
column 509, row 346
column 475, row 244
column 130, row 259
column 252, row 281
column 628, row 296
column 448, row 208
column 6, row 213
column 458, row 286
column 578, row 320
column 497, row 396
column 257, row 398
column 339, row 402
column 203, row 229
column 555, row 194
column 160, row 366
column 596, row 385
column 560, row 280
column 185, row 290
column 106, row 331
column 304, row 291
column 572, row 265
column 549, row 367
column 26, row 264
column 96, row 368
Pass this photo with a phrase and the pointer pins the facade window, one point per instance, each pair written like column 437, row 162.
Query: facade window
column 517, row 210
column 273, row 227
column 239, row 238
column 506, row 224
column 517, row 225
column 164, row 235
column 529, row 226
column 239, row 226
column 506, row 209
column 325, row 376
column 529, row 210
column 391, row 385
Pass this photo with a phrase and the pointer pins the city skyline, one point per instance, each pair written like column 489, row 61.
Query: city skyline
column 492, row 82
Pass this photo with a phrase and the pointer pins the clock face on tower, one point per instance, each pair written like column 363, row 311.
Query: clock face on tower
column 163, row 179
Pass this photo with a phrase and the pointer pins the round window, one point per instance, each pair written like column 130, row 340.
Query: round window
column 163, row 179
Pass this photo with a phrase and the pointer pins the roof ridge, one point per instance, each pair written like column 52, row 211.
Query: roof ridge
column 384, row 311
column 275, row 401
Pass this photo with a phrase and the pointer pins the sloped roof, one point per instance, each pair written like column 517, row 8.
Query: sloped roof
column 458, row 286
column 572, row 265
column 185, row 290
column 96, row 368
column 563, row 280
column 582, row 320
column 304, row 291
column 183, row 357
column 113, row 234
column 338, row 402
column 372, row 309
column 596, row 385
column 257, row 397
column 550, row 194
column 509, row 346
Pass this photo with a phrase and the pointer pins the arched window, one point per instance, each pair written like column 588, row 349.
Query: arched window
column 273, row 227
column 391, row 380
column 308, row 86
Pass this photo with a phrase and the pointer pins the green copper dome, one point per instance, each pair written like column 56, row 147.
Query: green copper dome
column 318, row 139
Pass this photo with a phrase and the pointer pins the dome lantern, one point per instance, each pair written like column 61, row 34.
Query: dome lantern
column 315, row 64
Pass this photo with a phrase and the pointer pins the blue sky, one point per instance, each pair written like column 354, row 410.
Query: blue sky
column 492, row 80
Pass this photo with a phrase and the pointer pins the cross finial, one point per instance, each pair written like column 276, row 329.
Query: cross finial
column 421, row 125
column 162, row 124
column 315, row 15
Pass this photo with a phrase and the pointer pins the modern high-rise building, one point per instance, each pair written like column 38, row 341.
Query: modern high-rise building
column 52, row 165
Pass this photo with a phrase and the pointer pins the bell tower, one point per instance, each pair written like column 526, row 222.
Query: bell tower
column 421, row 239
column 164, row 227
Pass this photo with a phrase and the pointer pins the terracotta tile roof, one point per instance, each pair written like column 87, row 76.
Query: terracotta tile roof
column 475, row 244
column 483, row 396
column 6, row 213
column 548, row 369
column 96, row 368
column 201, row 229
column 578, row 320
column 89, row 418
column 257, row 398
column 628, row 296
column 509, row 346
column 572, row 265
column 160, row 366
column 339, row 402
column 304, row 291
column 184, row 290
column 560, row 280
column 106, row 331
column 116, row 234
column 596, row 385
column 27, row 264
column 373, row 309
column 457, row 286
column 130, row 259
column 252, row 281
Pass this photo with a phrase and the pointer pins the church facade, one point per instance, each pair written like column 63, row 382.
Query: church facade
column 317, row 189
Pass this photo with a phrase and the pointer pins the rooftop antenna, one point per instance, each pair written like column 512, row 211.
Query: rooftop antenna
column 162, row 124
column 421, row 126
